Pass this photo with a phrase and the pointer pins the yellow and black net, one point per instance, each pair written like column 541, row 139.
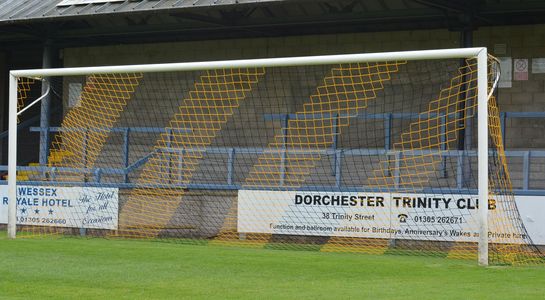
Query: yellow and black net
column 377, row 157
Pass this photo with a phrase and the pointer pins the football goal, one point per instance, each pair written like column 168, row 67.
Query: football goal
column 385, row 153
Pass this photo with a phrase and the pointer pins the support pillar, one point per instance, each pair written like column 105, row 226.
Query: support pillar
column 48, row 58
column 465, row 136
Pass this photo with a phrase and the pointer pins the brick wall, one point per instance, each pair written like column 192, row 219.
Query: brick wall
column 522, row 42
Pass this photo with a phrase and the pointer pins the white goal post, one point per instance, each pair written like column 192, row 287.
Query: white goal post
column 480, row 54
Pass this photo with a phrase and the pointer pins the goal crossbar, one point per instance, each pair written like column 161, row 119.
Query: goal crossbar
column 257, row 63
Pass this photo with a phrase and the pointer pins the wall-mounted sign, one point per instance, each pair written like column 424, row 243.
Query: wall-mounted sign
column 437, row 217
column 538, row 65
column 500, row 49
column 76, row 207
column 506, row 75
column 521, row 69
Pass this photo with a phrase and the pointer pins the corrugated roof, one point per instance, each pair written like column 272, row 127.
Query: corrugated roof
column 26, row 10
column 138, row 21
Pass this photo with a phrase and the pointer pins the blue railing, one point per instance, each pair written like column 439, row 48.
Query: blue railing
column 387, row 117
column 337, row 154
column 126, row 131
column 231, row 153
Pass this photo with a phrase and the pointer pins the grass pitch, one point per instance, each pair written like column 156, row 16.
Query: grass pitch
column 73, row 268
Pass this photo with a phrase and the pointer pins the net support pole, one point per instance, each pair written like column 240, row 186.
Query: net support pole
column 12, row 157
column 482, row 141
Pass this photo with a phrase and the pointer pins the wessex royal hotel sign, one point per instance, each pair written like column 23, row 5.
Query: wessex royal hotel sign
column 77, row 207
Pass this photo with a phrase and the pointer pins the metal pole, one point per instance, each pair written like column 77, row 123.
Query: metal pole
column 12, row 157
column 47, row 62
column 465, row 111
column 126, row 145
column 468, row 111
column 482, row 110
column 468, row 42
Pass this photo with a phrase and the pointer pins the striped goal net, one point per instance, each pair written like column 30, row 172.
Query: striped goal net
column 371, row 153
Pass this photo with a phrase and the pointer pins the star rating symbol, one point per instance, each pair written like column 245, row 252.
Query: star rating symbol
column 23, row 210
column 36, row 211
column 50, row 211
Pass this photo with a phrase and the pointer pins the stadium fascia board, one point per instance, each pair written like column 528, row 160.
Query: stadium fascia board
column 257, row 63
